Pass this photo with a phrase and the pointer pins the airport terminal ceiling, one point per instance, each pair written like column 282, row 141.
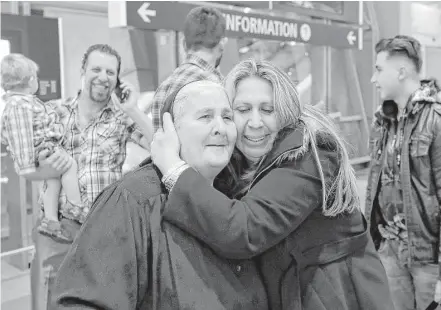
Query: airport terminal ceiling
column 325, row 6
column 292, row 57
column 305, row 63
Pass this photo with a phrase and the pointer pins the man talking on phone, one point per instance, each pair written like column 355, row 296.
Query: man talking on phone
column 97, row 127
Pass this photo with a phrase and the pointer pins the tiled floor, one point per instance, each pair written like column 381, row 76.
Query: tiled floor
column 15, row 288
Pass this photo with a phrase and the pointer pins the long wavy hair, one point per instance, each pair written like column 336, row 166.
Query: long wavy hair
column 338, row 195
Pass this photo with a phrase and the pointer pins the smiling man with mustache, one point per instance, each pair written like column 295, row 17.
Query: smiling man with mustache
column 96, row 129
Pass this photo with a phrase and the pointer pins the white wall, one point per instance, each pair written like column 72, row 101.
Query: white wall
column 79, row 31
column 425, row 21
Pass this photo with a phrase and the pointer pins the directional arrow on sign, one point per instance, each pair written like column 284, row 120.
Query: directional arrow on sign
column 145, row 13
column 351, row 38
column 170, row 15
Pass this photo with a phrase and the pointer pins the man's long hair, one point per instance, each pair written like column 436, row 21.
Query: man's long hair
column 339, row 195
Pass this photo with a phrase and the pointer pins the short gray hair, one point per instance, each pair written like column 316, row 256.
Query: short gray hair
column 17, row 71
column 189, row 92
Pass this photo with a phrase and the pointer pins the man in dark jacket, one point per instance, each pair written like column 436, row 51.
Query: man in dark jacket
column 125, row 258
column 404, row 186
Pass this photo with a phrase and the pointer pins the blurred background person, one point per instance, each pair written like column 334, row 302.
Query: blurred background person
column 404, row 184
column 204, row 39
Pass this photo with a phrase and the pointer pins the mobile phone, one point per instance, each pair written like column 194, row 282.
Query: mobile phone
column 122, row 95
column 432, row 306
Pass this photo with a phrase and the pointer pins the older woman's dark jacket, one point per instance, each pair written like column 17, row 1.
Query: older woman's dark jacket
column 124, row 258
column 308, row 261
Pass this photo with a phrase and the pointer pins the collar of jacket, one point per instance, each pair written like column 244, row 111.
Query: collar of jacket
column 149, row 161
column 429, row 92
column 289, row 142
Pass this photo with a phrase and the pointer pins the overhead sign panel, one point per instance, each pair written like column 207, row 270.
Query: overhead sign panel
column 247, row 4
column 171, row 16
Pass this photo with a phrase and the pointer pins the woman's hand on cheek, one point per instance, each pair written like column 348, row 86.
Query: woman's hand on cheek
column 165, row 146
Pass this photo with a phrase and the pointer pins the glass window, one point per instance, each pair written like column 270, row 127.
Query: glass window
column 426, row 19
column 300, row 61
column 4, row 50
column 291, row 57
column 16, row 192
column 304, row 63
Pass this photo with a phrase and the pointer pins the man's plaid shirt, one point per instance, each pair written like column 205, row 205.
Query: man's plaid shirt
column 192, row 69
column 26, row 124
column 99, row 149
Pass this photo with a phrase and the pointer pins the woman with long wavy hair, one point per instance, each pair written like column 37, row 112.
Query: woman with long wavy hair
column 288, row 198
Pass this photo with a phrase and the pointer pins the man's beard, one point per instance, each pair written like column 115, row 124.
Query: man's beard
column 98, row 99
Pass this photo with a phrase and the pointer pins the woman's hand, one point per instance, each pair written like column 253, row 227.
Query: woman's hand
column 165, row 146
